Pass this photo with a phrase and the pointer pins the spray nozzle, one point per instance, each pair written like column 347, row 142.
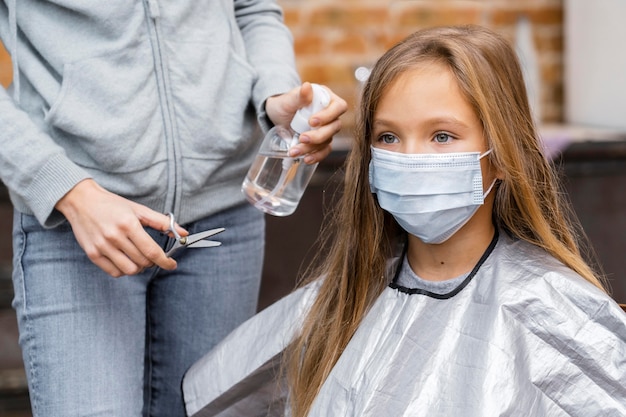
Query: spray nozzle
column 321, row 99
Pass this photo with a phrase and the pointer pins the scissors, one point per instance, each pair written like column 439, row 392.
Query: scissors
column 197, row 240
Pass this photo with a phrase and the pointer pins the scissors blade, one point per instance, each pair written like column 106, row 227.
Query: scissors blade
column 192, row 240
column 196, row 241
column 204, row 244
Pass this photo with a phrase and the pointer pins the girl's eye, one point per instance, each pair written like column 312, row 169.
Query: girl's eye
column 387, row 138
column 442, row 137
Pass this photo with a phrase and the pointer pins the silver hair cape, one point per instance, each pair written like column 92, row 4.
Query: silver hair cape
column 523, row 336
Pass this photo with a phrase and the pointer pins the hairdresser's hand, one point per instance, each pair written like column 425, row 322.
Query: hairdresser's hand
column 315, row 144
column 109, row 228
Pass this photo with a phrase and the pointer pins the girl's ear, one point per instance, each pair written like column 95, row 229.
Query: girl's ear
column 499, row 173
column 492, row 168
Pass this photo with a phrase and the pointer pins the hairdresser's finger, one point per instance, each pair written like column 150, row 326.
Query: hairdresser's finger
column 330, row 113
column 320, row 136
column 318, row 155
column 316, row 141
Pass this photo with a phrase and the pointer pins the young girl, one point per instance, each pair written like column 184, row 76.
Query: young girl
column 454, row 285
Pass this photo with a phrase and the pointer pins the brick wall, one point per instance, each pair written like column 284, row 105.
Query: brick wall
column 5, row 67
column 334, row 37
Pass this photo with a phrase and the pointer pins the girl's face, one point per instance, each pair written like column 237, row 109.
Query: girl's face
column 424, row 111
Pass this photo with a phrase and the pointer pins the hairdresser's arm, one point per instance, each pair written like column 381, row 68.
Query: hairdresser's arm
column 269, row 47
column 45, row 182
column 268, row 50
column 33, row 167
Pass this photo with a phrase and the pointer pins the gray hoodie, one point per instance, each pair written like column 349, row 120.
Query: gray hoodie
column 157, row 100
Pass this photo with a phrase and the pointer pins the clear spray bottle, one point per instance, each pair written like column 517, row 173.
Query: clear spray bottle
column 275, row 182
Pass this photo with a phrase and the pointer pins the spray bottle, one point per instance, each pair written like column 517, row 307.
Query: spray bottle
column 275, row 182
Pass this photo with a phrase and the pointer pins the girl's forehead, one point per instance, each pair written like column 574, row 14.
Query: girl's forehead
column 424, row 88
column 419, row 77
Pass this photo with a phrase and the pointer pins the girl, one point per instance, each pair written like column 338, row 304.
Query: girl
column 455, row 283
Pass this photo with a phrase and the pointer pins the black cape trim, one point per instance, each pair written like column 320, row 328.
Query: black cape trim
column 394, row 283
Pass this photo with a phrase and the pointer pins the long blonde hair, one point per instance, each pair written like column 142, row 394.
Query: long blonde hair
column 528, row 201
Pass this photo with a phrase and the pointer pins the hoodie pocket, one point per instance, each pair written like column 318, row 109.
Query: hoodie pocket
column 107, row 114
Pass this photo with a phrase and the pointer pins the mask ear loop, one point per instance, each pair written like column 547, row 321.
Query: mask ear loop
column 481, row 156
column 486, row 193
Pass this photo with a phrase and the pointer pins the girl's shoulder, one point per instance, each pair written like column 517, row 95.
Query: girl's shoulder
column 537, row 287
column 521, row 263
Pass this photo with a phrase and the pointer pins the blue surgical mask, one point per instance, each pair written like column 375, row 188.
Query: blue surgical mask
column 431, row 196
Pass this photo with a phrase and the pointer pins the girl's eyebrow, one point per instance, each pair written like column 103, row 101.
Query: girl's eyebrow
column 437, row 121
column 382, row 122
column 453, row 121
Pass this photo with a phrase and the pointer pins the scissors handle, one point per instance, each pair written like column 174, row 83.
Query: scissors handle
column 172, row 229
column 197, row 240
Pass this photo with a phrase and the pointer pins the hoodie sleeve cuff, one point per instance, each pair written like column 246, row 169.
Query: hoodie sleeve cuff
column 55, row 179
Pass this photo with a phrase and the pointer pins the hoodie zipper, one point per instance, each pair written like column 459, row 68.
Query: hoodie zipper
column 172, row 201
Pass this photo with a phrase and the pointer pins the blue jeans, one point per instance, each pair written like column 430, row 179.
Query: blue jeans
column 98, row 346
